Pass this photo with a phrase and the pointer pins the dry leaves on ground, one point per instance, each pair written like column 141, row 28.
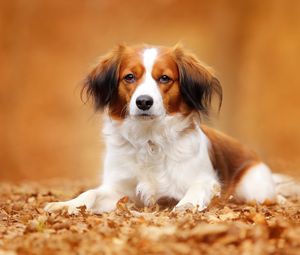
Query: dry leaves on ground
column 222, row 229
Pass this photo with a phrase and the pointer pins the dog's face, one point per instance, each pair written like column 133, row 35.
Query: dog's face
column 145, row 82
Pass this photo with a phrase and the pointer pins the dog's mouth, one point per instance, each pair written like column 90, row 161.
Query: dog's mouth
column 144, row 116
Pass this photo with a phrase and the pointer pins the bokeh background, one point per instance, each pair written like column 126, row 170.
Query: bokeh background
column 47, row 47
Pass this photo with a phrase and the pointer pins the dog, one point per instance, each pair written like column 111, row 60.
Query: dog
column 154, row 100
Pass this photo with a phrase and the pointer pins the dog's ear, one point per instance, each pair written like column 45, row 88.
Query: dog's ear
column 197, row 84
column 101, row 84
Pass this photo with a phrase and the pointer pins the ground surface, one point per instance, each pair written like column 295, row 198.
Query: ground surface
column 222, row 229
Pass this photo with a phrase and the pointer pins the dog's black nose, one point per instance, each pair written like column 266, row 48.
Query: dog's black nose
column 144, row 102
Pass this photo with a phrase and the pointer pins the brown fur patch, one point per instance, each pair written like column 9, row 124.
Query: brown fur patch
column 130, row 63
column 230, row 158
column 171, row 92
column 198, row 85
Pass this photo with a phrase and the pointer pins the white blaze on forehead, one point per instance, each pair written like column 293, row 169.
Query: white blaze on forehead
column 148, row 87
column 149, row 56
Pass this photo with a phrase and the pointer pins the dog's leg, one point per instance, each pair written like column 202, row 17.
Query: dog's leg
column 257, row 185
column 98, row 200
column 200, row 194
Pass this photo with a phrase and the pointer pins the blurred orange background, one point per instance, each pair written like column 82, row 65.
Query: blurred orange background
column 47, row 47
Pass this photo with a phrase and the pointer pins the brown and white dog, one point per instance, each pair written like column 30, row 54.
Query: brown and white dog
column 153, row 99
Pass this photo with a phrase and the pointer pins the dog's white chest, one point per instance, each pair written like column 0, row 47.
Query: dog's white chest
column 169, row 168
column 162, row 161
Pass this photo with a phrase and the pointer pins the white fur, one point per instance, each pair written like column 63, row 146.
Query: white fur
column 257, row 185
column 148, row 87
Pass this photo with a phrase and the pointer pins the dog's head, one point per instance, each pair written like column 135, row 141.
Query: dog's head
column 147, row 82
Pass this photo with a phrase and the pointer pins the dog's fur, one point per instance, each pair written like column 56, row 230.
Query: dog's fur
column 164, row 151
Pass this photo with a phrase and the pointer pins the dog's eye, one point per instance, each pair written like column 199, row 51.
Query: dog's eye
column 130, row 78
column 164, row 79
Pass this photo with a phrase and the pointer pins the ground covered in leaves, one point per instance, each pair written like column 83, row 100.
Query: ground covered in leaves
column 224, row 228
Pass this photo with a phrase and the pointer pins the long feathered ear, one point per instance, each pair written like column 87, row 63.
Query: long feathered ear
column 102, row 82
column 197, row 84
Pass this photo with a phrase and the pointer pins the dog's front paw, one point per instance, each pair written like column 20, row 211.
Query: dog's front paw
column 198, row 197
column 58, row 206
column 185, row 204
column 145, row 192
